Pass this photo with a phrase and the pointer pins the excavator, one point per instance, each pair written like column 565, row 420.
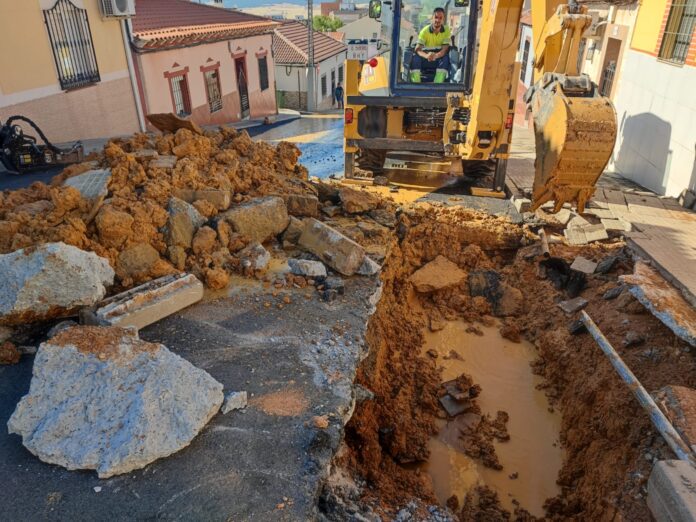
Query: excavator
column 465, row 111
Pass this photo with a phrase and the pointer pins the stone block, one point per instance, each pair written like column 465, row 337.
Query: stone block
column 92, row 184
column 163, row 162
column 672, row 491
column 219, row 198
column 302, row 205
column 259, row 219
column 584, row 265
column 307, row 268
column 336, row 250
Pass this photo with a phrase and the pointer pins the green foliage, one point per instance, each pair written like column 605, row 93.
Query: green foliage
column 326, row 23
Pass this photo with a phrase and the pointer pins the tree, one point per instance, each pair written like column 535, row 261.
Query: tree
column 325, row 23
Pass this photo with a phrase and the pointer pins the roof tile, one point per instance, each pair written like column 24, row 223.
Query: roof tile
column 290, row 44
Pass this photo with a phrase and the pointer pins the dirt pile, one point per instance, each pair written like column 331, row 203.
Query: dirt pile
column 169, row 204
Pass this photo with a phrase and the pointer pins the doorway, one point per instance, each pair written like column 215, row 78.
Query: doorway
column 240, row 70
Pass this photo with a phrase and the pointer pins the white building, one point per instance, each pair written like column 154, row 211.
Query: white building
column 291, row 72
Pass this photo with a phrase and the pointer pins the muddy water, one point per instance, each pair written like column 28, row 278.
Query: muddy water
column 502, row 370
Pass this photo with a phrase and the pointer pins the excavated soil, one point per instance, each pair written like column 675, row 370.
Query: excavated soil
column 608, row 441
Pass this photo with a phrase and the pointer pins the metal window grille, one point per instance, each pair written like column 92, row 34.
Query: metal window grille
column 525, row 59
column 680, row 26
column 180, row 91
column 323, row 86
column 71, row 42
column 212, row 84
column 340, row 74
column 263, row 73
column 608, row 79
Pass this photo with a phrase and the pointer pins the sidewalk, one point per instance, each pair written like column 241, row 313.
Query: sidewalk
column 661, row 230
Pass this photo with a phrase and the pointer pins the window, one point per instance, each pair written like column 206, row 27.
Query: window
column 678, row 31
column 263, row 73
column 340, row 74
column 323, row 86
column 71, row 42
column 525, row 60
column 180, row 94
column 212, row 87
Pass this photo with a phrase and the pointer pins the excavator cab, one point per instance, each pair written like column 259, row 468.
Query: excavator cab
column 443, row 87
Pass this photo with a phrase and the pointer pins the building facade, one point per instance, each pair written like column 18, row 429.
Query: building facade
column 65, row 67
column 290, row 52
column 211, row 65
column 654, row 98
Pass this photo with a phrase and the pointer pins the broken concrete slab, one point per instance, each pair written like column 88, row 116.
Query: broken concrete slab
column 584, row 265
column 617, row 224
column 564, row 215
column 678, row 403
column 219, row 198
column 437, row 274
column 577, row 221
column 336, row 250
column 50, row 281
column 575, row 236
column 255, row 257
column 163, row 162
column 137, row 260
column 454, row 407
column 234, row 401
column 662, row 300
column 147, row 303
column 600, row 213
column 302, row 205
column 183, row 222
column 581, row 235
column 307, row 268
column 260, row 218
column 672, row 491
column 573, row 305
column 102, row 399
column 595, row 233
column 368, row 267
column 92, row 184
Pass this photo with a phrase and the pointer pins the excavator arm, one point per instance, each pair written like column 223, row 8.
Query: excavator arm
column 574, row 126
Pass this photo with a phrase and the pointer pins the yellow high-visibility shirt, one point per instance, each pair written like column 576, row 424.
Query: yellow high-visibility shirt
column 429, row 39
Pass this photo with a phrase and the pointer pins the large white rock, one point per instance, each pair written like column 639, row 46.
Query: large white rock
column 50, row 280
column 101, row 398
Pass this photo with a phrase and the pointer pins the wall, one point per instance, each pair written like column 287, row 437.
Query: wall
column 365, row 28
column 656, row 111
column 29, row 81
column 153, row 66
column 287, row 84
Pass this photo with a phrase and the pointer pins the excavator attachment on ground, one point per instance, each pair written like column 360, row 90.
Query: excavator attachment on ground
column 575, row 131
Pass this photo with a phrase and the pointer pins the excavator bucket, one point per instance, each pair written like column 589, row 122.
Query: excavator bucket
column 575, row 131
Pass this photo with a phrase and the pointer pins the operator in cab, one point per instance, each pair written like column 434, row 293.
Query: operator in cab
column 433, row 46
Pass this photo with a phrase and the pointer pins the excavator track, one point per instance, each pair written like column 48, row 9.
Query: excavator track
column 575, row 134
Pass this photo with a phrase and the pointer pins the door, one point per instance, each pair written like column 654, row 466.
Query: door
column 240, row 69
column 333, row 86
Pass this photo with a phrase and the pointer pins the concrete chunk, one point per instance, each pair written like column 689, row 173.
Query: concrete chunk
column 595, row 233
column 92, row 184
column 234, row 401
column 672, row 491
column 573, row 305
column 259, row 219
column 302, row 205
column 369, row 267
column 617, row 224
column 182, row 223
column 584, row 265
column 437, row 274
column 50, row 281
column 255, row 257
column 163, row 162
column 147, row 303
column 336, row 250
column 102, row 399
column 307, row 268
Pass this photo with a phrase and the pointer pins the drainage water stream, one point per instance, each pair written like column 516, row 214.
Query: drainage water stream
column 502, row 369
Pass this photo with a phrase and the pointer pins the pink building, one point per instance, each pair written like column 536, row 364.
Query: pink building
column 210, row 64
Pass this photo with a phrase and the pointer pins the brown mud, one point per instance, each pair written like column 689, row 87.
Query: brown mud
column 607, row 441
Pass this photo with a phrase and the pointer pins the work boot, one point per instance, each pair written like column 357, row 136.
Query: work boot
column 415, row 76
column 440, row 76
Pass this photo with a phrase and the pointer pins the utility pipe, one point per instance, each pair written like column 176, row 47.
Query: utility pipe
column 131, row 73
column 661, row 423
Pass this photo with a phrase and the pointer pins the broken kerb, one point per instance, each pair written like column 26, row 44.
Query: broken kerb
column 147, row 303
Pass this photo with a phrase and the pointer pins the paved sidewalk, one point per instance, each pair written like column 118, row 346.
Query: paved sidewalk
column 661, row 229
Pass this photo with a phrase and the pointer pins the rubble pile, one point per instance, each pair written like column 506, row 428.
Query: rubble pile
column 203, row 202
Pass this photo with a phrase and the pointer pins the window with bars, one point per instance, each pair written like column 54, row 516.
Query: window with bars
column 180, row 94
column 340, row 74
column 323, row 86
column 525, row 60
column 71, row 42
column 680, row 26
column 263, row 73
column 212, row 86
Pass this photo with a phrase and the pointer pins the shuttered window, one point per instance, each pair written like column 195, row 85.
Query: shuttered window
column 680, row 26
column 72, row 46
column 263, row 73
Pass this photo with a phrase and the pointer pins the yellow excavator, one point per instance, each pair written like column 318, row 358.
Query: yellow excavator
column 460, row 104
